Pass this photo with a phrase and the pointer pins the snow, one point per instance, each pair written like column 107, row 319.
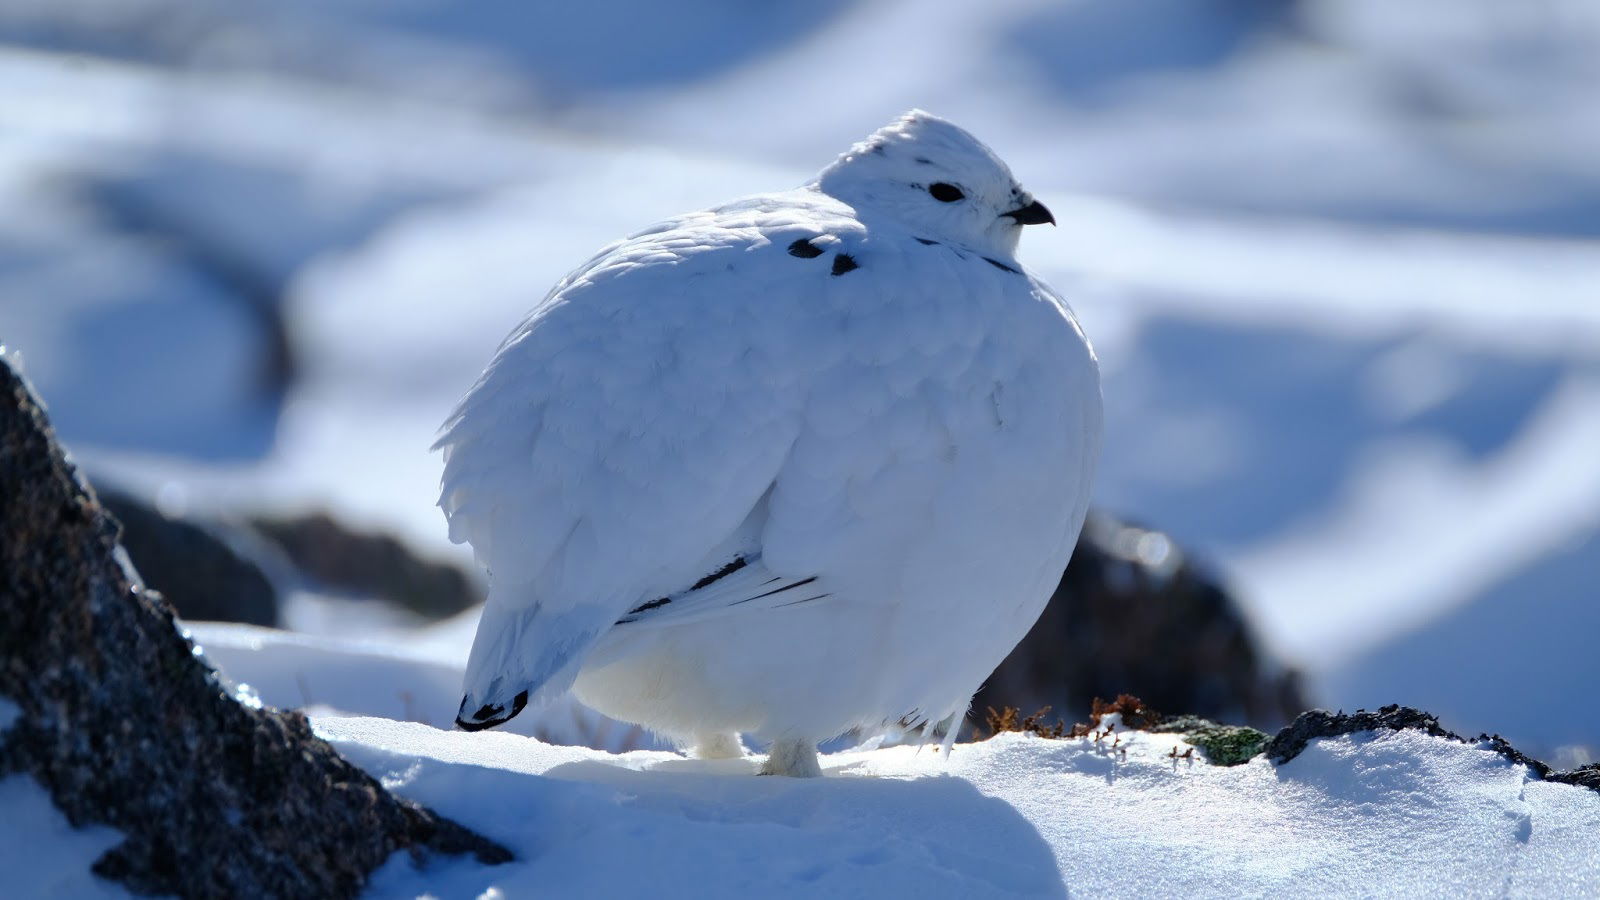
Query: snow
column 1013, row 815
column 41, row 854
column 1400, row 813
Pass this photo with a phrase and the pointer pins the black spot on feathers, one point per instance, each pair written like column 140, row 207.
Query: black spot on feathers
column 843, row 263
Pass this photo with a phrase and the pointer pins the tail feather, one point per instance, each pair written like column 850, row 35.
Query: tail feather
column 488, row 716
column 523, row 655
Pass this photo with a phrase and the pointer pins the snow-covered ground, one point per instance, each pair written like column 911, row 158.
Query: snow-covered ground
column 42, row 855
column 1394, row 814
column 1391, row 814
column 1338, row 257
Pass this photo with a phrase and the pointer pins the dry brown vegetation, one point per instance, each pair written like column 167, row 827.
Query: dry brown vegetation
column 1134, row 714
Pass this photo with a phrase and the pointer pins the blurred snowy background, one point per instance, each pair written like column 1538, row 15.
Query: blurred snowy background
column 1340, row 258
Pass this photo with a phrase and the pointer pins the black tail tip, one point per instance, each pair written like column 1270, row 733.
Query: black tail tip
column 488, row 716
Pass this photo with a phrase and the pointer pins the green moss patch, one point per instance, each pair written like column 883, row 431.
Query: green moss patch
column 1227, row 745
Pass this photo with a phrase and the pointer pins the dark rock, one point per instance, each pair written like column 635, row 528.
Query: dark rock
column 1585, row 776
column 195, row 569
column 1320, row 723
column 1133, row 614
column 225, row 570
column 332, row 556
column 126, row 727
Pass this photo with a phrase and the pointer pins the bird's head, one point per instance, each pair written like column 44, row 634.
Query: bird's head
column 937, row 180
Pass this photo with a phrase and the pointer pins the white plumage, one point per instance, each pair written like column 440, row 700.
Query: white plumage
column 802, row 463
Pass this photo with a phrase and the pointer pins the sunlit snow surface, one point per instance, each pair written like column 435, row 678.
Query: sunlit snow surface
column 41, row 854
column 1396, row 814
column 1337, row 256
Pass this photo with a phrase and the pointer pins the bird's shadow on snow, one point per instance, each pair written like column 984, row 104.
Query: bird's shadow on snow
column 648, row 825
column 847, row 830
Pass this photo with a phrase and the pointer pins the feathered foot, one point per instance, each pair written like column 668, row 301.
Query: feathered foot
column 796, row 758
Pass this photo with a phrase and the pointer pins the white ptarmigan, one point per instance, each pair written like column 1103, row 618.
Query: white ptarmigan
column 806, row 462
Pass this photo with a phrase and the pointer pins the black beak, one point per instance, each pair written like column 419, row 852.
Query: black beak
column 1034, row 213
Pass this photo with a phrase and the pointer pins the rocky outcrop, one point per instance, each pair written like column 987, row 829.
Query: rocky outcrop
column 1320, row 723
column 1134, row 614
column 124, row 725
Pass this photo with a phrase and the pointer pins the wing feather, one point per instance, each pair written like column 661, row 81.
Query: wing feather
column 744, row 584
column 626, row 429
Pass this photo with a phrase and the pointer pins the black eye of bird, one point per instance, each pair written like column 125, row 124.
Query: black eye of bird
column 945, row 193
